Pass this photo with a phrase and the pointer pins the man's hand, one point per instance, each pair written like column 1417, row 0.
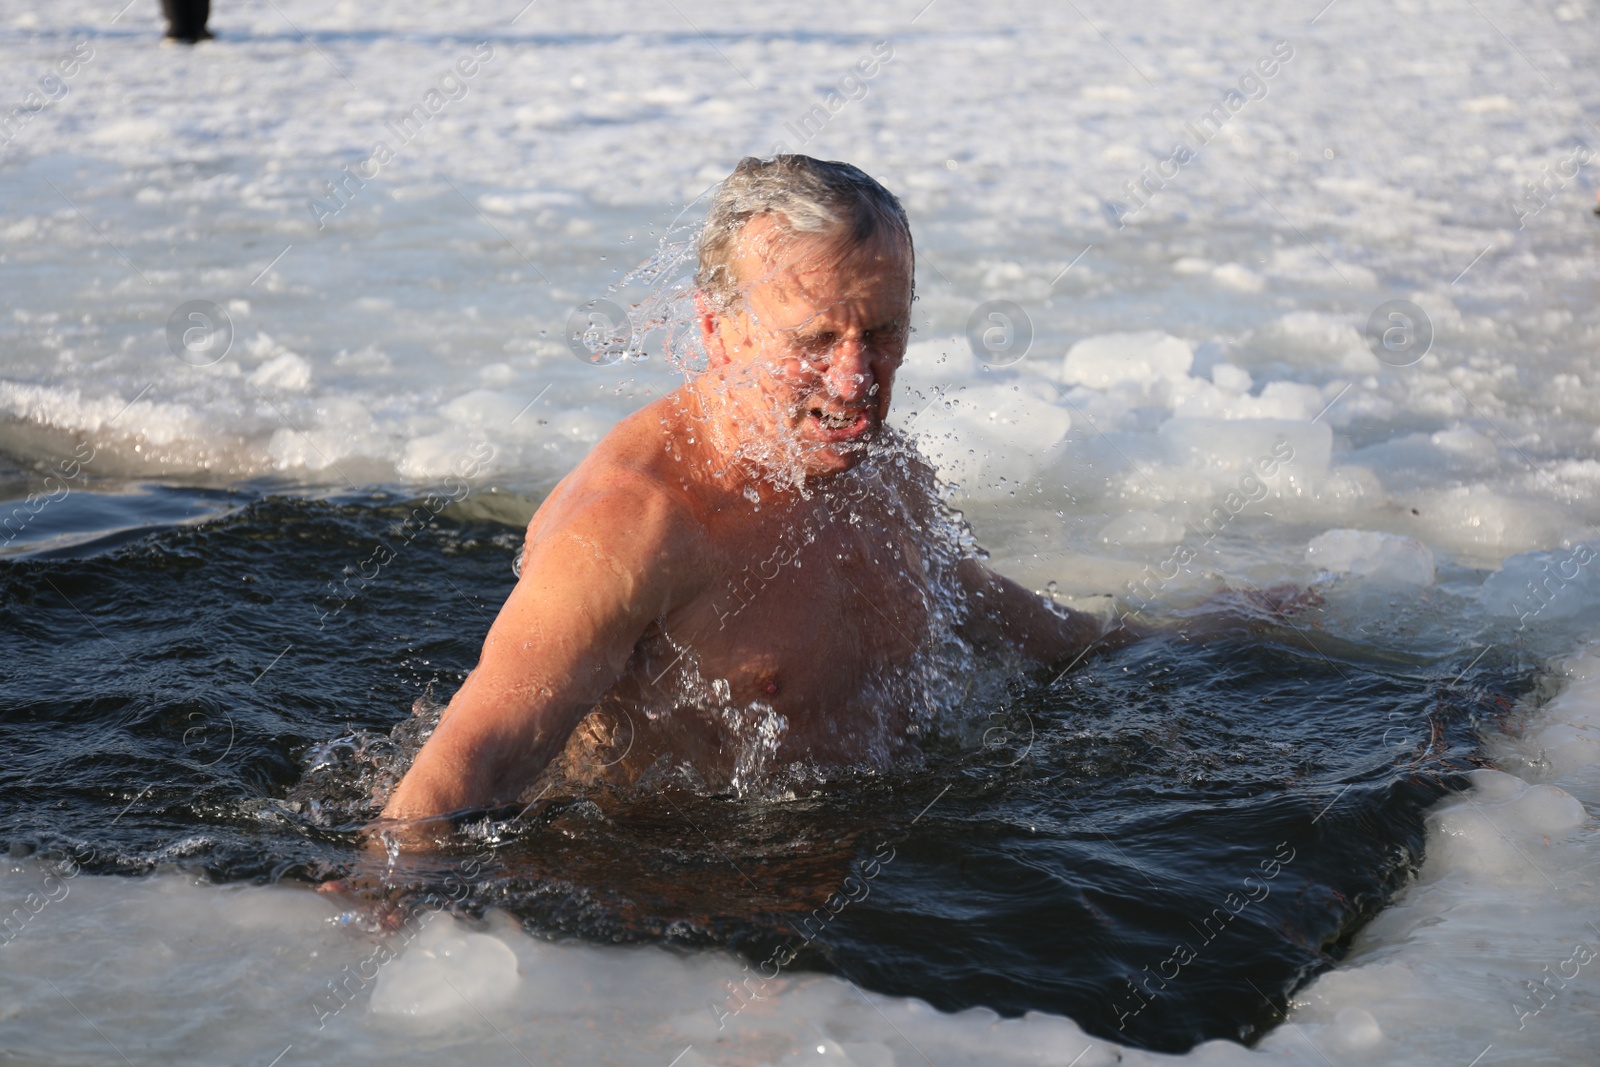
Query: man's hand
column 368, row 890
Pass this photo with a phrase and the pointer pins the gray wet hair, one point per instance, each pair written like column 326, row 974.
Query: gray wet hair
column 809, row 196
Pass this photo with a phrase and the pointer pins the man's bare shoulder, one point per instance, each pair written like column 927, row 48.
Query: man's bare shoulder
column 909, row 466
column 908, row 473
column 628, row 495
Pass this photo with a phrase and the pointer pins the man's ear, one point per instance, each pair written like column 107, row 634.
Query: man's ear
column 710, row 335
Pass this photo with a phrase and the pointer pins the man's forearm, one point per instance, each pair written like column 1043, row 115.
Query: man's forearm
column 480, row 754
column 440, row 782
column 1005, row 610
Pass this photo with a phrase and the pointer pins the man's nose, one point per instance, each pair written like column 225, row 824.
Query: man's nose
column 849, row 374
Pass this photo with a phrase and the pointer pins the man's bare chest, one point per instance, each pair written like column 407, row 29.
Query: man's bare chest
column 806, row 613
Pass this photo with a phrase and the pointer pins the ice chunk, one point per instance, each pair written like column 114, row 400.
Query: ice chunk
column 286, row 373
column 347, row 429
column 1484, row 525
column 1549, row 585
column 1355, row 1029
column 1292, row 401
column 1238, row 277
column 133, row 131
column 1566, row 748
column 1229, row 447
column 1311, row 339
column 1233, row 379
column 1119, row 93
column 1493, row 785
column 1547, row 809
column 1142, row 528
column 435, row 456
column 1385, row 557
column 1467, row 442
column 1107, row 359
column 484, row 409
column 447, row 972
column 111, row 415
column 1471, row 845
column 937, row 364
column 988, row 437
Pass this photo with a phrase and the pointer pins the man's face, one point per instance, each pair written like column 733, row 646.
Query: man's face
column 813, row 346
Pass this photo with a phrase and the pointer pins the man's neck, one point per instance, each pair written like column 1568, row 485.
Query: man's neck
column 734, row 433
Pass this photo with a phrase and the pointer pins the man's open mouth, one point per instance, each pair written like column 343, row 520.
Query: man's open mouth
column 839, row 425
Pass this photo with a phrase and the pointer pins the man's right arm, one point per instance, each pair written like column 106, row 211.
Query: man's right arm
column 600, row 566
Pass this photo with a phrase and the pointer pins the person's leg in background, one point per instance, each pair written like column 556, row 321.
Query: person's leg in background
column 186, row 20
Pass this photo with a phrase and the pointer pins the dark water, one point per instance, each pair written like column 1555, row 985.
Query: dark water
column 1162, row 845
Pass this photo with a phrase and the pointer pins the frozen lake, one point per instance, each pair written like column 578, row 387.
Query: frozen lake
column 1193, row 213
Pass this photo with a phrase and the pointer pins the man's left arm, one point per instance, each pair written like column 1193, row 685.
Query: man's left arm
column 1001, row 611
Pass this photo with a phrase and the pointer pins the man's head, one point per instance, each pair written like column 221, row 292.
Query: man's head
column 805, row 299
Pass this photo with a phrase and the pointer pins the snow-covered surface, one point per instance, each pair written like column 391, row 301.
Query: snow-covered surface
column 1198, row 377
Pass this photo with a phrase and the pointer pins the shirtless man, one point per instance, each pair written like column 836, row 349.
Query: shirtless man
column 747, row 561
